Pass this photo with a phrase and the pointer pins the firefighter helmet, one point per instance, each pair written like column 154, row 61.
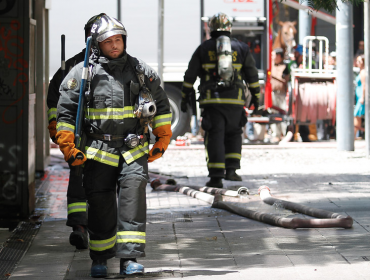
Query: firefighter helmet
column 105, row 27
column 89, row 23
column 220, row 22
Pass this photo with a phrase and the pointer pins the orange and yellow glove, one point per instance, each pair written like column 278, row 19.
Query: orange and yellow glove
column 72, row 155
column 164, row 134
column 53, row 131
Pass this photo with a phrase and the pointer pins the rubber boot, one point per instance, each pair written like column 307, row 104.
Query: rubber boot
column 130, row 266
column 232, row 176
column 215, row 182
column 99, row 269
column 79, row 237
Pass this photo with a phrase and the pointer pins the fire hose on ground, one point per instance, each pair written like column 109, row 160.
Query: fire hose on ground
column 200, row 194
column 157, row 185
column 328, row 219
column 220, row 200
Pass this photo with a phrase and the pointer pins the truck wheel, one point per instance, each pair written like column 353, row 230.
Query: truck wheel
column 180, row 123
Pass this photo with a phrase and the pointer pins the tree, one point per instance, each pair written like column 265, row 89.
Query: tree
column 328, row 5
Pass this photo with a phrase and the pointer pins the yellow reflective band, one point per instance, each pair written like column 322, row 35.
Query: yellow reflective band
column 110, row 113
column 140, row 233
column 221, row 101
column 101, row 156
column 254, row 85
column 188, row 85
column 76, row 207
column 131, row 237
column 257, row 95
column 216, row 165
column 233, row 155
column 237, row 66
column 240, row 94
column 136, row 153
column 101, row 245
column 183, row 94
column 65, row 126
column 52, row 113
column 127, row 240
column 162, row 120
column 208, row 66
column 208, row 92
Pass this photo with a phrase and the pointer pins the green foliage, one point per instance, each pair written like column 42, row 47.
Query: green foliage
column 328, row 5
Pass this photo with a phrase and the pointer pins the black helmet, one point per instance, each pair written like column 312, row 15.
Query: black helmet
column 105, row 27
column 89, row 24
column 220, row 22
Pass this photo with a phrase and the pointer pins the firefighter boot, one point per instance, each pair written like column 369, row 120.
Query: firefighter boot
column 130, row 266
column 215, row 182
column 232, row 176
column 79, row 237
column 99, row 269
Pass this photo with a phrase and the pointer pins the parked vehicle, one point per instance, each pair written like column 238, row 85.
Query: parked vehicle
column 185, row 26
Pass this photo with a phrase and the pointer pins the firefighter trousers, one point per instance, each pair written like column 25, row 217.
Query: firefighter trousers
column 116, row 231
column 76, row 200
column 223, row 139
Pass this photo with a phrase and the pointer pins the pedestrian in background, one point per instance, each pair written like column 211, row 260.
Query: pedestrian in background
column 222, row 64
column 279, row 82
column 76, row 198
column 332, row 61
column 297, row 63
column 360, row 48
column 360, row 94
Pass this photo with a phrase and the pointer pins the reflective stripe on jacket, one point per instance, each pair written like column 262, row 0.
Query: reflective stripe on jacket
column 203, row 64
column 113, row 91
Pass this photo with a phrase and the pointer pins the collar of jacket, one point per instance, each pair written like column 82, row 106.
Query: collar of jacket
column 216, row 34
column 114, row 63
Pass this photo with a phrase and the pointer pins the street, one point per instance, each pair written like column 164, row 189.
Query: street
column 186, row 238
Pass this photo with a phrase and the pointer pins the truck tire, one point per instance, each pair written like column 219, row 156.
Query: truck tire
column 180, row 123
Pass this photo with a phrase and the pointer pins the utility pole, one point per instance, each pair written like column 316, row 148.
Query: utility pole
column 367, row 64
column 160, row 39
column 344, row 43
column 304, row 23
column 119, row 10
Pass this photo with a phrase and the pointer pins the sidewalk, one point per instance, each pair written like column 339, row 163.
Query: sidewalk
column 186, row 238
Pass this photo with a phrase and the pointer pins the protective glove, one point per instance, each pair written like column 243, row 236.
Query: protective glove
column 72, row 155
column 163, row 134
column 53, row 131
column 255, row 103
column 186, row 94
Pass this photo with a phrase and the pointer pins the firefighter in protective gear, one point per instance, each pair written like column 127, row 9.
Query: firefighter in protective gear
column 115, row 231
column 76, row 199
column 222, row 102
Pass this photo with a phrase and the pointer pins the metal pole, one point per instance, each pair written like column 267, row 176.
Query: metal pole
column 344, row 43
column 367, row 64
column 202, row 36
column 119, row 10
column 304, row 23
column 160, row 39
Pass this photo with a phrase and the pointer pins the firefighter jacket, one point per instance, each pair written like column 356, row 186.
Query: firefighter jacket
column 53, row 92
column 110, row 107
column 203, row 64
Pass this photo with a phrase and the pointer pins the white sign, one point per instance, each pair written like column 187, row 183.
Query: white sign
column 235, row 8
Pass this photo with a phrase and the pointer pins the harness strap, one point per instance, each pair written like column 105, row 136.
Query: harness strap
column 105, row 137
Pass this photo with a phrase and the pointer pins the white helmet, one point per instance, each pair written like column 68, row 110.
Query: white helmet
column 220, row 22
column 105, row 27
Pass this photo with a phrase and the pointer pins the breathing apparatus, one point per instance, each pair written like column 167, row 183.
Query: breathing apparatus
column 225, row 68
column 145, row 107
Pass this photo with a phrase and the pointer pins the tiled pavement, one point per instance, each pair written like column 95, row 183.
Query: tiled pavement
column 186, row 238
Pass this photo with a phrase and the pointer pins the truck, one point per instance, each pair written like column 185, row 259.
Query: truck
column 185, row 27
